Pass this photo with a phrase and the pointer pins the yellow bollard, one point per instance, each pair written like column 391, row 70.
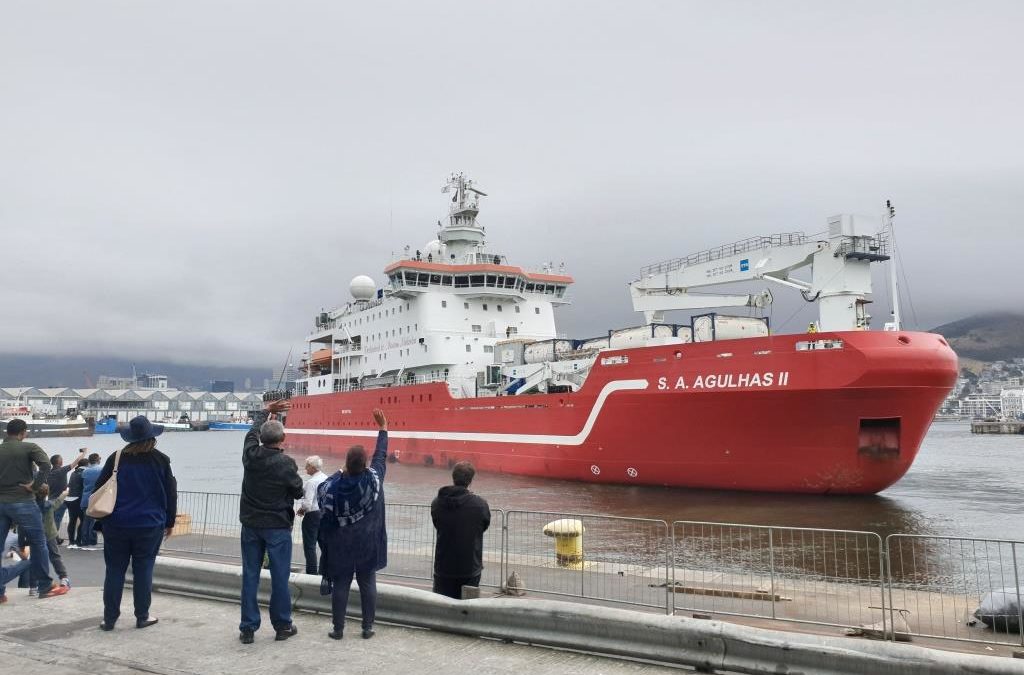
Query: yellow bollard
column 568, row 535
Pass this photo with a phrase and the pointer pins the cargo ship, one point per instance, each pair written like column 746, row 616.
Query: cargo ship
column 460, row 348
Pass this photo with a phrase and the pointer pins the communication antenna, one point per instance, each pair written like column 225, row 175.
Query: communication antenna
column 287, row 362
column 890, row 213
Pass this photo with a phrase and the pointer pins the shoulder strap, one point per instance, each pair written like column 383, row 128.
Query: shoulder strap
column 117, row 460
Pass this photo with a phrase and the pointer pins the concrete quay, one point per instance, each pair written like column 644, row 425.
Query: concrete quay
column 198, row 636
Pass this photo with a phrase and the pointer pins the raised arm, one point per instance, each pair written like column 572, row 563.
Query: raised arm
column 252, row 437
column 380, row 453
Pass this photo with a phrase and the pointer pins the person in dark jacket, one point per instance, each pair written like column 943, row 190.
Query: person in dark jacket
column 74, row 504
column 353, row 539
column 460, row 518
column 58, row 481
column 144, row 512
column 270, row 486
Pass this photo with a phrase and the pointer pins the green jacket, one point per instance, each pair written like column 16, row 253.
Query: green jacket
column 16, row 460
column 48, row 506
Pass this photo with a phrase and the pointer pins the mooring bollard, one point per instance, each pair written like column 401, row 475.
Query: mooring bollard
column 568, row 535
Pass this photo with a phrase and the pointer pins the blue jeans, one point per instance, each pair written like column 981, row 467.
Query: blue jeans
column 121, row 545
column 87, row 531
column 277, row 544
column 11, row 572
column 29, row 519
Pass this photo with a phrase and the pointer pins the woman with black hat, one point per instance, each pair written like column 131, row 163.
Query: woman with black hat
column 147, row 501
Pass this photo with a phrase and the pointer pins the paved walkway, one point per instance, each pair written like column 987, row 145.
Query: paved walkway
column 60, row 636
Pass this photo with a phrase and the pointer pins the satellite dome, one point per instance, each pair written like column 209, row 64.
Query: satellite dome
column 362, row 288
column 432, row 249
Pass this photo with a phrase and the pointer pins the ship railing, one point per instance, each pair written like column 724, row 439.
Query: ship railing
column 907, row 585
column 726, row 251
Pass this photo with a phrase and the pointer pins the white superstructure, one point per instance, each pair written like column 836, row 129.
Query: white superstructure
column 439, row 314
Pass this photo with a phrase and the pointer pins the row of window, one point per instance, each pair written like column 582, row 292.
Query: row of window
column 465, row 305
column 424, row 279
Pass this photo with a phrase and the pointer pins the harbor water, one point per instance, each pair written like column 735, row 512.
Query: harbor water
column 961, row 484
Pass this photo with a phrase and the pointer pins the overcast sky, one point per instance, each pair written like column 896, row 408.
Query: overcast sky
column 192, row 181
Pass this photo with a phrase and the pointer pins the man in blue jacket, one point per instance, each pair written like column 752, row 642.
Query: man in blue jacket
column 87, row 532
column 270, row 486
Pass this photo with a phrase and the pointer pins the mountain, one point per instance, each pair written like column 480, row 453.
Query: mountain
column 20, row 370
column 997, row 336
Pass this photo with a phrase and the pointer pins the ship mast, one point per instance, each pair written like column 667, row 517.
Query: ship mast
column 462, row 235
column 890, row 213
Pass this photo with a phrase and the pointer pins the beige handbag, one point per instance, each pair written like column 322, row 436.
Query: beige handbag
column 102, row 501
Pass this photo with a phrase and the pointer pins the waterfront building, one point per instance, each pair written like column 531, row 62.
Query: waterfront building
column 1012, row 403
column 981, row 405
column 158, row 404
column 134, row 381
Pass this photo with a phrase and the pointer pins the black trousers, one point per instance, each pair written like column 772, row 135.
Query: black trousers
column 452, row 586
column 367, row 598
column 74, row 520
column 310, row 527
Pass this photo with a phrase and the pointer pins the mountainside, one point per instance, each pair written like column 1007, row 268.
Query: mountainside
column 20, row 370
column 986, row 337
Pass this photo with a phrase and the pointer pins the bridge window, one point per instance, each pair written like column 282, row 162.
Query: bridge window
column 499, row 308
column 485, row 306
column 476, row 328
column 536, row 310
column 444, row 303
column 517, row 309
column 469, row 348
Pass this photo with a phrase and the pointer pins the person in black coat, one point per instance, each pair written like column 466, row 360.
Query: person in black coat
column 460, row 518
column 270, row 486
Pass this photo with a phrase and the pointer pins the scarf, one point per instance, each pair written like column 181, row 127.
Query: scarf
column 345, row 500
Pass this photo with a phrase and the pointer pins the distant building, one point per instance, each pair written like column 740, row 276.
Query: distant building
column 981, row 405
column 222, row 385
column 1012, row 403
column 137, row 381
column 156, row 404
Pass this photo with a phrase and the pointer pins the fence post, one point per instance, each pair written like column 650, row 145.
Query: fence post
column 670, row 559
column 206, row 518
column 887, row 572
column 881, row 585
column 504, row 550
column 771, row 567
column 1016, row 584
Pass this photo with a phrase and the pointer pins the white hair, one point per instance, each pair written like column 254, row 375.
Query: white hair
column 271, row 432
column 315, row 462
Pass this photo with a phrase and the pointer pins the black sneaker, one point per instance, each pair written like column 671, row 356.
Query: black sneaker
column 245, row 637
column 285, row 633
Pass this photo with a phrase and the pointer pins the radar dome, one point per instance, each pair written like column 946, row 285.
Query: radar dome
column 433, row 249
column 362, row 288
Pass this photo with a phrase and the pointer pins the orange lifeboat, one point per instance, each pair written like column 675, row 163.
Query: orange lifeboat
column 321, row 357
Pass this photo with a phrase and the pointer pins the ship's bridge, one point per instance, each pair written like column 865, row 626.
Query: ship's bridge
column 409, row 278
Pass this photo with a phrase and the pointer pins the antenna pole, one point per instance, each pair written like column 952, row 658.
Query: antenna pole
column 890, row 213
column 284, row 369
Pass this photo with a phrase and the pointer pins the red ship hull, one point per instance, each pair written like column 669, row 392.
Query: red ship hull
column 753, row 414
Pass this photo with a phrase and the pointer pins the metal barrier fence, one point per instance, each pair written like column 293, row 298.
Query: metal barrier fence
column 919, row 585
column 606, row 558
column 209, row 526
column 829, row 577
column 938, row 582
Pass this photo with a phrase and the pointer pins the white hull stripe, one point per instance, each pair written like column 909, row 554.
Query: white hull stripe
column 483, row 437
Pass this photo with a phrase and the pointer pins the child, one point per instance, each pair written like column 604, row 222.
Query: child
column 48, row 508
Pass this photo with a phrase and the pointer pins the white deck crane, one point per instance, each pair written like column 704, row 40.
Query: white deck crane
column 840, row 281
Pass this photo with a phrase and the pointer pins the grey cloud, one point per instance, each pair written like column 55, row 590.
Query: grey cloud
column 194, row 180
